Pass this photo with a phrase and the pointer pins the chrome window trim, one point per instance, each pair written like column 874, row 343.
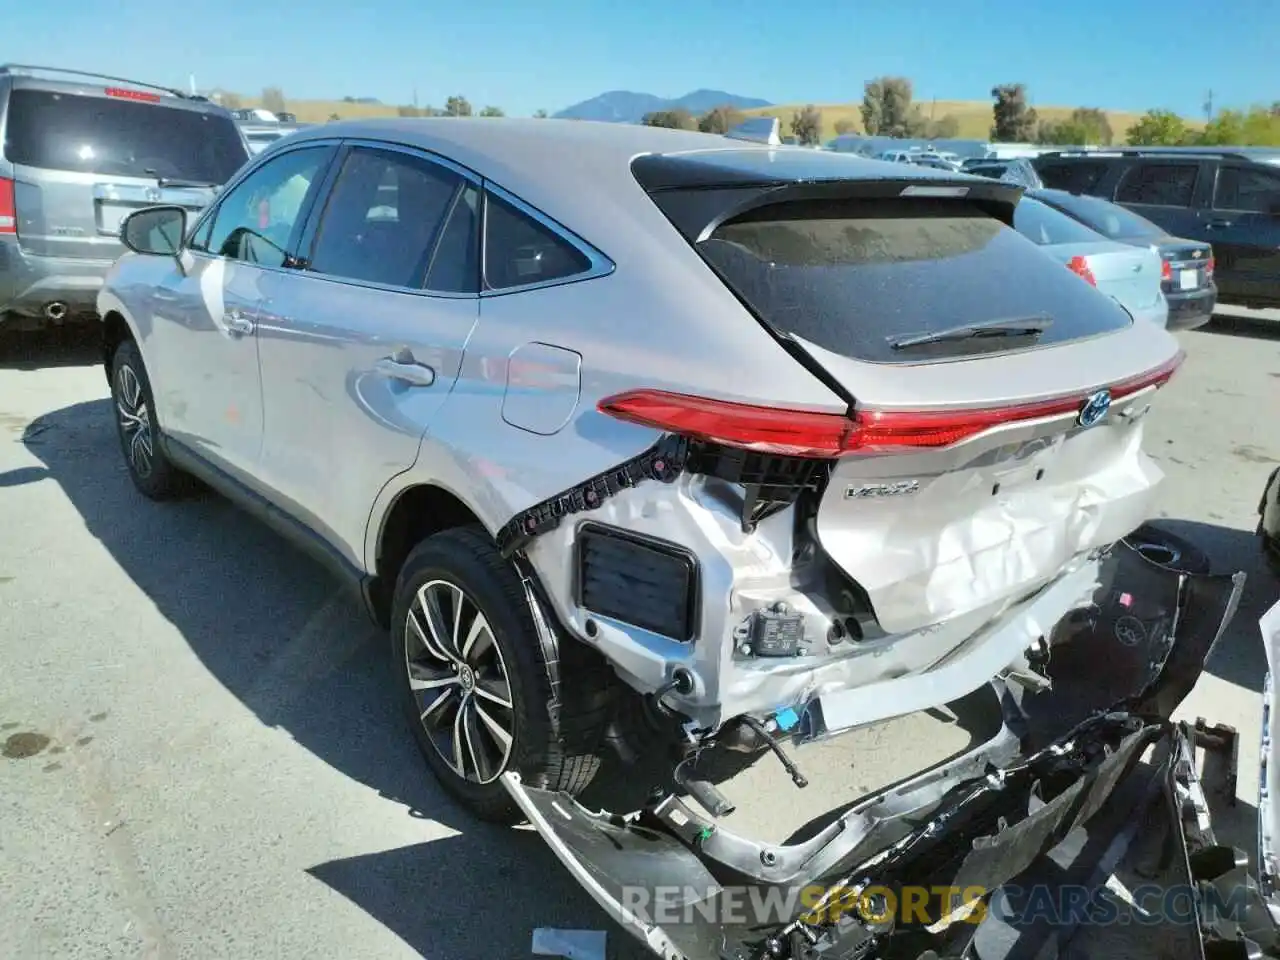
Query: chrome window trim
column 600, row 264
column 417, row 153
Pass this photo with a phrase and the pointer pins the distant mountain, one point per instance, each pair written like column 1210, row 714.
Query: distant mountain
column 626, row 106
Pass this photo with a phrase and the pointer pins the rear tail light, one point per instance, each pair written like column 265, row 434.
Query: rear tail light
column 8, row 209
column 1208, row 266
column 120, row 93
column 801, row 433
column 1166, row 271
column 1080, row 267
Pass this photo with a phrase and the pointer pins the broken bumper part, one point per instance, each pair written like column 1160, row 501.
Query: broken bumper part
column 692, row 890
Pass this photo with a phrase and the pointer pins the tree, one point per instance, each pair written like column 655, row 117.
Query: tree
column 720, row 120
column 407, row 111
column 273, row 100
column 333, row 117
column 678, row 119
column 1086, row 126
column 540, row 115
column 1256, row 127
column 1162, row 128
column 887, row 110
column 231, row 101
column 1015, row 121
column 806, row 125
column 945, row 127
column 845, row 125
column 458, row 106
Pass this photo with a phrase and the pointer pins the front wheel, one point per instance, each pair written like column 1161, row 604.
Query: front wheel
column 476, row 682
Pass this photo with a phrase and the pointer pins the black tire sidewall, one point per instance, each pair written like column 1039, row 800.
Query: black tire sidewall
column 450, row 557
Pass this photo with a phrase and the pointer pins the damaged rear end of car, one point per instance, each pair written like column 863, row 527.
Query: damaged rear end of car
column 766, row 577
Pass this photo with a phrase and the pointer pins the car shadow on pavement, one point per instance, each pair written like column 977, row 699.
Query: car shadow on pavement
column 275, row 629
column 1239, row 657
column 74, row 345
column 1242, row 325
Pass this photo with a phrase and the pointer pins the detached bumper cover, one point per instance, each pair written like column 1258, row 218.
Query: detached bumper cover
column 692, row 890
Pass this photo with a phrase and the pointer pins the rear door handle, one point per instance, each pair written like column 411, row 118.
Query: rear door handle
column 1220, row 224
column 406, row 371
column 237, row 322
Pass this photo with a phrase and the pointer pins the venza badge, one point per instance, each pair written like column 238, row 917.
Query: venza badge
column 1094, row 408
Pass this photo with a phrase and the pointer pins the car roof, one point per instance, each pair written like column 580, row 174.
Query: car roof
column 579, row 172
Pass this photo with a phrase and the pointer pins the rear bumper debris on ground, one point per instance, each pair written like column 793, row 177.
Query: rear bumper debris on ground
column 917, row 870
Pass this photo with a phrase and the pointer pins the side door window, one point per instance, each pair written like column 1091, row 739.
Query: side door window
column 1073, row 176
column 259, row 219
column 519, row 250
column 1159, row 184
column 400, row 220
column 1247, row 190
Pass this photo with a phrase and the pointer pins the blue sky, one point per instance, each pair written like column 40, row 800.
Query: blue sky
column 523, row 55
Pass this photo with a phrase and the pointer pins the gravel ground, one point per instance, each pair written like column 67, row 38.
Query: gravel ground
column 203, row 761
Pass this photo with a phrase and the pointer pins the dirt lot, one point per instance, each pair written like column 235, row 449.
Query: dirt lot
column 212, row 769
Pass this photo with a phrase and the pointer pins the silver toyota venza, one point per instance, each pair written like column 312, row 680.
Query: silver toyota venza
column 761, row 440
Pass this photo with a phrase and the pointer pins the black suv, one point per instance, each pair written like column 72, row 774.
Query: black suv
column 1227, row 198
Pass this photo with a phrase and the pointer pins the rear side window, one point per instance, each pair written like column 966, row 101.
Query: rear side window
column 1244, row 188
column 111, row 136
column 518, row 250
column 1045, row 226
column 1073, row 176
column 1159, row 184
column 1108, row 219
column 853, row 276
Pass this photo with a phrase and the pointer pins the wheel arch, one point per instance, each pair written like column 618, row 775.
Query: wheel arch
column 115, row 331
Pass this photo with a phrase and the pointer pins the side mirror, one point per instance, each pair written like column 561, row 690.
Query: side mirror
column 156, row 231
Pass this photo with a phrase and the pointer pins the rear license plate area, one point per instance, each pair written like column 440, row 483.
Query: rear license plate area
column 1188, row 279
column 110, row 216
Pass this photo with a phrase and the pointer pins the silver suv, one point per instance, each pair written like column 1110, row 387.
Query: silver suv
column 762, row 439
column 81, row 151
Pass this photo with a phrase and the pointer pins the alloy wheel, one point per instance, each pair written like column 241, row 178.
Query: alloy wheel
column 135, row 420
column 459, row 681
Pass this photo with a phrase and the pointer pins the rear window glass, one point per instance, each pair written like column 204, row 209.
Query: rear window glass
column 1108, row 219
column 1159, row 184
column 1045, row 226
column 854, row 276
column 124, row 138
column 1073, row 176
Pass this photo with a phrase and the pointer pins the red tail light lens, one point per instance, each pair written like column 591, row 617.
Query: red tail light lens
column 1080, row 267
column 120, row 93
column 1166, row 271
column 8, row 209
column 801, row 433
column 1208, row 267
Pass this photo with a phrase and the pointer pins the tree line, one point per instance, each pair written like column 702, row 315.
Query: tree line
column 456, row 106
column 888, row 110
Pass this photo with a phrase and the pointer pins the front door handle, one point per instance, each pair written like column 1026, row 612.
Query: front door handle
column 237, row 322
column 408, row 371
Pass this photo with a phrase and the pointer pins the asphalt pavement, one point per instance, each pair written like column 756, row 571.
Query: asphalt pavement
column 200, row 759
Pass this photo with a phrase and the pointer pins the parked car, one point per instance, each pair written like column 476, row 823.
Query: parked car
column 1131, row 274
column 1187, row 266
column 81, row 151
column 853, row 493
column 993, row 169
column 935, row 161
column 1269, row 519
column 1228, row 199
column 262, row 136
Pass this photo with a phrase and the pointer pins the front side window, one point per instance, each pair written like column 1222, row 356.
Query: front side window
column 1159, row 184
column 518, row 250
column 1244, row 188
column 256, row 221
column 384, row 218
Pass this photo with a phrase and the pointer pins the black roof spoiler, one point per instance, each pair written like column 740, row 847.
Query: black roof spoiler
column 23, row 69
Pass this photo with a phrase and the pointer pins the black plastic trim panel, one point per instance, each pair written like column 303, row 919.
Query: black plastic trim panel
column 649, row 583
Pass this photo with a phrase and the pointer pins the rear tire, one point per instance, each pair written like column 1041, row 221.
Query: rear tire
column 477, row 689
column 134, row 406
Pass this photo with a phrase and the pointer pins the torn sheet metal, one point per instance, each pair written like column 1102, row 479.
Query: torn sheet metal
column 670, row 874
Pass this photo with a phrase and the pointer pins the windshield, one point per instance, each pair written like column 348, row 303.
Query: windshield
column 1106, row 218
column 126, row 138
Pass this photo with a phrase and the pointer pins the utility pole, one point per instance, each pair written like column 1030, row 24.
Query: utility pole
column 415, row 97
column 1208, row 106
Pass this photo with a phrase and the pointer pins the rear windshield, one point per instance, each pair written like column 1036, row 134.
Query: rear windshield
column 124, row 138
column 1108, row 219
column 1045, row 226
column 853, row 276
